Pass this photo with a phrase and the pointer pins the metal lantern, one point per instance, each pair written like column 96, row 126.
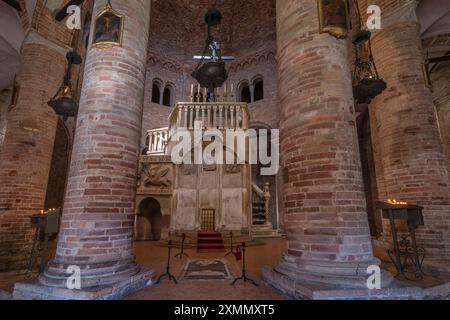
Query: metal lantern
column 63, row 103
column 211, row 74
column 366, row 82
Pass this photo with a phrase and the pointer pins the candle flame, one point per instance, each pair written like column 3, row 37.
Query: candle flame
column 396, row 202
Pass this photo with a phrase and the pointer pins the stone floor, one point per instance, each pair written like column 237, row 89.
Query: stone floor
column 155, row 256
column 267, row 252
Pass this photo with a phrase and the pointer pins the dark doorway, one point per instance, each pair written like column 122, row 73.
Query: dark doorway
column 151, row 210
column 59, row 168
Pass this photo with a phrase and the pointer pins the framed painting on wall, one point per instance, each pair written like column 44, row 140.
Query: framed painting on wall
column 333, row 17
column 108, row 28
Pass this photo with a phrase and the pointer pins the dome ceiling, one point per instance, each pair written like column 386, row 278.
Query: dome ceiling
column 178, row 27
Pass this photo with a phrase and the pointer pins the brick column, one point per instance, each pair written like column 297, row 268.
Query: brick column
column 409, row 154
column 26, row 154
column 97, row 225
column 325, row 211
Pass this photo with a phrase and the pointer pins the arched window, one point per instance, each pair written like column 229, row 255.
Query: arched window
column 156, row 92
column 258, row 90
column 167, row 96
column 246, row 95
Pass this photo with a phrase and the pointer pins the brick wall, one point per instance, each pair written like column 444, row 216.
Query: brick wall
column 27, row 151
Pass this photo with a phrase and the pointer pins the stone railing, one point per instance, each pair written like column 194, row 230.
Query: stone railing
column 218, row 115
column 157, row 141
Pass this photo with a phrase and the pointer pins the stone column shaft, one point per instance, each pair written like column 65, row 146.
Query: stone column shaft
column 97, row 224
column 325, row 211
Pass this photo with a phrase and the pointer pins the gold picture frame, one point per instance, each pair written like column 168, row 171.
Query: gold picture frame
column 333, row 17
column 108, row 28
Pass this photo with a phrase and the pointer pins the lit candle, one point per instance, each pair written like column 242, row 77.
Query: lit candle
column 225, row 88
column 198, row 90
column 192, row 89
column 232, row 88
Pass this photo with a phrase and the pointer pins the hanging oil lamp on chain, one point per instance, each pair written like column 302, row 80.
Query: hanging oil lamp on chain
column 367, row 84
column 210, row 71
column 63, row 102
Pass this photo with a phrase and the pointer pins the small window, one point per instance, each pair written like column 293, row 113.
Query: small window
column 167, row 97
column 156, row 93
column 259, row 90
column 245, row 94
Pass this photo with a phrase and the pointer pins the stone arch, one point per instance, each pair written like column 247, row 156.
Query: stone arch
column 244, row 93
column 150, row 209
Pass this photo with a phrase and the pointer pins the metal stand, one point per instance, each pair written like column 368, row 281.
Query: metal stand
column 231, row 245
column 408, row 249
column 182, row 253
column 244, row 272
column 168, row 274
column 46, row 225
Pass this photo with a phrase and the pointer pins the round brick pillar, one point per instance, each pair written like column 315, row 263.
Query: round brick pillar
column 411, row 163
column 97, row 225
column 325, row 211
column 26, row 153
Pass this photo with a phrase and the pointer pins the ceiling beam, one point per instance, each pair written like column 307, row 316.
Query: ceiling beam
column 13, row 3
column 62, row 13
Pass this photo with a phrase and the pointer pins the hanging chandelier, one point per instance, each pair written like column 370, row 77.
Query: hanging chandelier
column 63, row 103
column 367, row 84
column 210, row 71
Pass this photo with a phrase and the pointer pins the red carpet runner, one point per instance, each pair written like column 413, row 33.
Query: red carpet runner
column 209, row 241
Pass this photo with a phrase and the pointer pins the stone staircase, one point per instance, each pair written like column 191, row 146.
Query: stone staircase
column 258, row 214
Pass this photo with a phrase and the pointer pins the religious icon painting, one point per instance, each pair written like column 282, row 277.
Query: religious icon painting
column 333, row 17
column 108, row 28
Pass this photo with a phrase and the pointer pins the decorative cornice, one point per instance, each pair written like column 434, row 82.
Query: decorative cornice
column 253, row 59
column 165, row 63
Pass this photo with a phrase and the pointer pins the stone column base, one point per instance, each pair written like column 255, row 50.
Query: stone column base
column 119, row 290
column 296, row 286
